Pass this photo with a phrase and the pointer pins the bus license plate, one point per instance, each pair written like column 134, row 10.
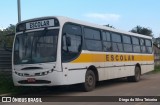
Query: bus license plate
column 31, row 80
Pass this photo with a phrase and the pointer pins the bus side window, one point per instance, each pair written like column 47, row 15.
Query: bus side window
column 142, row 43
column 127, row 43
column 93, row 39
column 71, row 42
column 107, row 45
column 117, row 42
column 148, row 45
column 136, row 45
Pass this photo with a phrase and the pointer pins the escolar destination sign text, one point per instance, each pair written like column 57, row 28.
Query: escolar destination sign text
column 40, row 24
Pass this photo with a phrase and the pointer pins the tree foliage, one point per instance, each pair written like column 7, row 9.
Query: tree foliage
column 1, row 33
column 7, row 36
column 142, row 30
column 9, row 30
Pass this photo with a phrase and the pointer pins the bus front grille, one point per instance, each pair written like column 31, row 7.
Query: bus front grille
column 36, row 82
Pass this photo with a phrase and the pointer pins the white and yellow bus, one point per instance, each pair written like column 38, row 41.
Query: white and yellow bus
column 51, row 51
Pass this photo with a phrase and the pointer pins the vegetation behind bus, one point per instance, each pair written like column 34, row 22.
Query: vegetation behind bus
column 142, row 30
column 7, row 36
column 156, row 69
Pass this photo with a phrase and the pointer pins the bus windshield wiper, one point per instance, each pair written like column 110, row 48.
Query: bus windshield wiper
column 44, row 32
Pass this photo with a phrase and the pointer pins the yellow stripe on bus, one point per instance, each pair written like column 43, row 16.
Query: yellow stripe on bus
column 112, row 58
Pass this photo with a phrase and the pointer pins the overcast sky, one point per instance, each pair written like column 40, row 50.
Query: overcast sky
column 122, row 14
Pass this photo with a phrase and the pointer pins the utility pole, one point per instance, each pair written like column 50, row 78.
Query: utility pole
column 19, row 10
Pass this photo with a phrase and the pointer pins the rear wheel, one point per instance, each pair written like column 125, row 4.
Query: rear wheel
column 136, row 77
column 90, row 81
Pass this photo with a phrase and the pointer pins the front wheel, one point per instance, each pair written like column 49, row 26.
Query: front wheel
column 136, row 77
column 90, row 81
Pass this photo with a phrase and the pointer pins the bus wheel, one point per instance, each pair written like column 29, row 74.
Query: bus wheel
column 136, row 77
column 90, row 81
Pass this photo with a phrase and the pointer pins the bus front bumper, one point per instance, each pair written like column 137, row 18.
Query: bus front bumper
column 51, row 79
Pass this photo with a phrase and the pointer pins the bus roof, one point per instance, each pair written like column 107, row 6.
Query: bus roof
column 67, row 19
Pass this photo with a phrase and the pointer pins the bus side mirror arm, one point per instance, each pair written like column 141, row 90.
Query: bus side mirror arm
column 68, row 40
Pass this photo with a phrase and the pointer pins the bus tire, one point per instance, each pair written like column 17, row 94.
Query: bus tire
column 90, row 81
column 136, row 76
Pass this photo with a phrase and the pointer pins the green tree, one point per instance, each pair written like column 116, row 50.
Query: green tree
column 142, row 30
column 9, row 30
column 7, row 36
column 1, row 33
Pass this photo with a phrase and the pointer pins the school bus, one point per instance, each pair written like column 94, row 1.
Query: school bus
column 51, row 51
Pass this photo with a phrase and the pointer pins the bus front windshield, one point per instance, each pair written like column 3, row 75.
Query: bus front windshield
column 36, row 47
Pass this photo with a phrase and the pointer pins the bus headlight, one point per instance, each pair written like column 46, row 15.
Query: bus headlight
column 47, row 72
column 36, row 74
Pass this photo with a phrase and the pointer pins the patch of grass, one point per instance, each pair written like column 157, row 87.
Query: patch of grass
column 7, row 86
column 156, row 69
column 6, row 83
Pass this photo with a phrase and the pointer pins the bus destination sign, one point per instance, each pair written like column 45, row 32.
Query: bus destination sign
column 39, row 24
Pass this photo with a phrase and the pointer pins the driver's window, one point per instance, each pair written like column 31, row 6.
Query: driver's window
column 72, row 32
column 75, row 46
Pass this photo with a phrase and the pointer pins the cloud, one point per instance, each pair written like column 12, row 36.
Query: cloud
column 103, row 16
